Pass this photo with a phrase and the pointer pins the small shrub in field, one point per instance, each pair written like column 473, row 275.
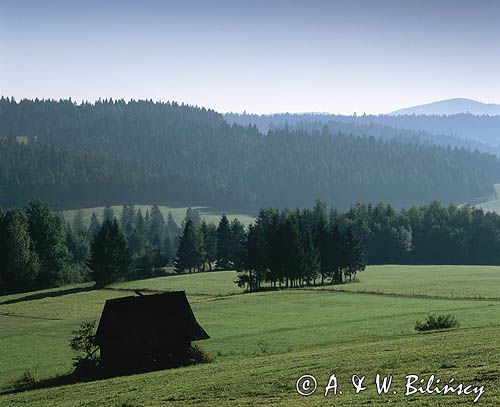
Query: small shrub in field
column 434, row 322
column 83, row 342
column 264, row 349
column 198, row 355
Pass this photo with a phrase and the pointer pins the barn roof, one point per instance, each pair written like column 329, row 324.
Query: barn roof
column 163, row 319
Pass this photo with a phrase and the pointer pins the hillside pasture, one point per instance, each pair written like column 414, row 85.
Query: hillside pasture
column 262, row 342
column 432, row 281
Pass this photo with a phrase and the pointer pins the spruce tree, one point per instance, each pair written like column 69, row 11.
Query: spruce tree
column 238, row 243
column 127, row 219
column 94, row 227
column 172, row 229
column 48, row 234
column 110, row 259
column 140, row 224
column 157, row 227
column 19, row 263
column 224, row 244
column 136, row 242
column 108, row 213
column 194, row 216
column 168, row 251
column 353, row 254
column 78, row 226
column 77, row 244
column 190, row 250
column 209, row 232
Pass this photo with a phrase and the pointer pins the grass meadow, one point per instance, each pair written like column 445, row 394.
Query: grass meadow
column 262, row 342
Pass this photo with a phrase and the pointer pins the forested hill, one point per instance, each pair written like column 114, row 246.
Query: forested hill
column 145, row 152
column 458, row 130
column 451, row 107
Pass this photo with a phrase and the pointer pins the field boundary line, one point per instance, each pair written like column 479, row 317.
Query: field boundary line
column 400, row 295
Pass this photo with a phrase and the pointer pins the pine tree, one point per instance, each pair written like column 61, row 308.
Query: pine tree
column 94, row 227
column 256, row 251
column 172, row 229
column 209, row 232
column 224, row 244
column 140, row 224
column 77, row 244
column 169, row 252
column 157, row 227
column 311, row 264
column 190, row 251
column 78, row 226
column 147, row 224
column 19, row 263
column 238, row 243
column 110, row 259
column 194, row 216
column 108, row 213
column 136, row 242
column 48, row 234
column 127, row 219
column 353, row 254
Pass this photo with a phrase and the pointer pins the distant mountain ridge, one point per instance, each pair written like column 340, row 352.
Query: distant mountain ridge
column 460, row 130
column 451, row 107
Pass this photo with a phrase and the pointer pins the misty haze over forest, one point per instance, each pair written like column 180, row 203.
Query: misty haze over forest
column 142, row 152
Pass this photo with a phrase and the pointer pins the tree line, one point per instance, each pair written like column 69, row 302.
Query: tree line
column 427, row 234
column 73, row 155
column 292, row 248
column 150, row 238
column 33, row 253
column 281, row 248
column 38, row 249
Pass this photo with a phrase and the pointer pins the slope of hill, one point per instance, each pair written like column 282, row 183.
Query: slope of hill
column 142, row 152
column 451, row 107
column 261, row 347
column 459, row 130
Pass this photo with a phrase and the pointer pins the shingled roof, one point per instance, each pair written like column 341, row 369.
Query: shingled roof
column 139, row 321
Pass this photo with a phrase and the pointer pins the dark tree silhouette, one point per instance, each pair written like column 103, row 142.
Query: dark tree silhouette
column 110, row 260
column 190, row 251
column 224, row 244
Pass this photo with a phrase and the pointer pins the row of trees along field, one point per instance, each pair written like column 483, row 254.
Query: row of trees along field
column 139, row 151
column 151, row 240
column 293, row 248
column 281, row 248
column 39, row 250
column 33, row 253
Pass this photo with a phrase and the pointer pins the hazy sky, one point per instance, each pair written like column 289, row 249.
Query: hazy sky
column 259, row 56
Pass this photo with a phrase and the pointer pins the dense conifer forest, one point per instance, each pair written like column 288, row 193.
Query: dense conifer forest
column 77, row 155
column 459, row 130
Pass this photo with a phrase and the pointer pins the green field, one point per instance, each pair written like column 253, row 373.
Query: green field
column 432, row 281
column 178, row 213
column 263, row 342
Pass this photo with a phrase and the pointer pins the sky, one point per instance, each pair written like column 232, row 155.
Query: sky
column 255, row 56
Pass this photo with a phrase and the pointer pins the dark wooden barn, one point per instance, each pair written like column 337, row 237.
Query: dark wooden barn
column 147, row 332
